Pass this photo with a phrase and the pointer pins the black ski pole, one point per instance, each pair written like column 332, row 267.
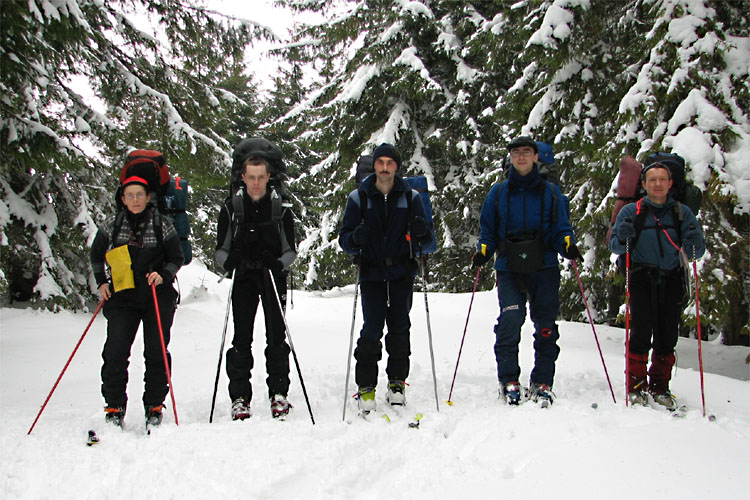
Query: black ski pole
column 291, row 344
column 351, row 343
column 66, row 366
column 429, row 328
column 221, row 349
column 591, row 321
column 476, row 280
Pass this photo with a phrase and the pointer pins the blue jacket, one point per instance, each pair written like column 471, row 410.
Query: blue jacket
column 653, row 248
column 388, row 255
column 515, row 206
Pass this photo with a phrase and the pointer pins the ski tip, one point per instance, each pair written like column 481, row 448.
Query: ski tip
column 386, row 417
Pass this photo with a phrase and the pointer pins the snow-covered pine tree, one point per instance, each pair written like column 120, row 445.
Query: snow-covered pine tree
column 177, row 88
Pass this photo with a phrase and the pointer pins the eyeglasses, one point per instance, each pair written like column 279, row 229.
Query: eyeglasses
column 133, row 196
column 521, row 152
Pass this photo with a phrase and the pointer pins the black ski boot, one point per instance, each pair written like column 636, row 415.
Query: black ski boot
column 114, row 415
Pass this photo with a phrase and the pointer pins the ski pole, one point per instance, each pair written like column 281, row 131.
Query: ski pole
column 627, row 317
column 591, row 321
column 291, row 344
column 698, row 325
column 221, row 349
column 164, row 352
column 461, row 347
column 65, row 367
column 351, row 343
column 429, row 329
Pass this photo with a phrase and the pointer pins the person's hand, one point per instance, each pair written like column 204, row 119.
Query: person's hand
column 419, row 230
column 271, row 263
column 105, row 292
column 361, row 236
column 626, row 231
column 691, row 239
column 480, row 257
column 571, row 250
column 232, row 261
column 154, row 278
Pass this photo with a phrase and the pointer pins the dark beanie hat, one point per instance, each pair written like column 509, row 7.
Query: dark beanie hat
column 523, row 141
column 388, row 150
column 140, row 181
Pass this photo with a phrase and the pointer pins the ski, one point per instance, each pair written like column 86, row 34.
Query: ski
column 92, row 438
column 678, row 411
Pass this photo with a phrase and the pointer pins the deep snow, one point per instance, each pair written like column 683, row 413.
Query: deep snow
column 477, row 448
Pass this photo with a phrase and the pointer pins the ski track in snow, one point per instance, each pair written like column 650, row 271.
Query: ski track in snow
column 477, row 447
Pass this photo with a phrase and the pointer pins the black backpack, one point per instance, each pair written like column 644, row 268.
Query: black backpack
column 260, row 147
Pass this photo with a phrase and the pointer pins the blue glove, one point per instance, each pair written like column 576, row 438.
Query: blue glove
column 419, row 231
column 626, row 231
column 361, row 236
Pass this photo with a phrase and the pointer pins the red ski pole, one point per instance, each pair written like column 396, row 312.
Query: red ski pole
column 101, row 303
column 627, row 317
column 591, row 321
column 698, row 324
column 164, row 352
column 476, row 280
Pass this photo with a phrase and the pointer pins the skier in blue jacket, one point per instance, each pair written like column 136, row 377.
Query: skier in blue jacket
column 656, row 280
column 384, row 222
column 525, row 221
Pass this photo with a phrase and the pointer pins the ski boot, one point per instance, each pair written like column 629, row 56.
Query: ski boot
column 638, row 394
column 154, row 416
column 665, row 399
column 511, row 393
column 396, row 395
column 240, row 409
column 279, row 406
column 114, row 415
column 366, row 400
column 541, row 394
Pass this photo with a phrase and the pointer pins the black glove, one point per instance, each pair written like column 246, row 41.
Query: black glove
column 419, row 230
column 571, row 250
column 479, row 259
column 691, row 239
column 626, row 231
column 232, row 261
column 361, row 235
column 271, row 263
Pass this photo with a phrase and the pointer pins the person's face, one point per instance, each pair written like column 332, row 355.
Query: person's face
column 135, row 198
column 385, row 168
column 657, row 184
column 523, row 159
column 256, row 178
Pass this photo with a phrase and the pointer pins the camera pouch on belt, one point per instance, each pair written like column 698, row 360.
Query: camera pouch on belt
column 524, row 253
column 121, row 267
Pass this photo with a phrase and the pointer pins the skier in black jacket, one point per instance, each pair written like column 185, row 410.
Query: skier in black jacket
column 144, row 251
column 250, row 248
column 381, row 229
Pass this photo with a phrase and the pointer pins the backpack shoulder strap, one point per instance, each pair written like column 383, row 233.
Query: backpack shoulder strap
column 640, row 221
column 116, row 227
column 156, row 220
column 553, row 194
column 238, row 211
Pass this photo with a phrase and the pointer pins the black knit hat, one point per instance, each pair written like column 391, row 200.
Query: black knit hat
column 523, row 141
column 388, row 150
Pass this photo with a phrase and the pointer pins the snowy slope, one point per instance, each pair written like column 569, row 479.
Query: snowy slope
column 476, row 448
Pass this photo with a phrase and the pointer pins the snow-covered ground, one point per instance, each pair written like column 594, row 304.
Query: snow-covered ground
column 476, row 448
